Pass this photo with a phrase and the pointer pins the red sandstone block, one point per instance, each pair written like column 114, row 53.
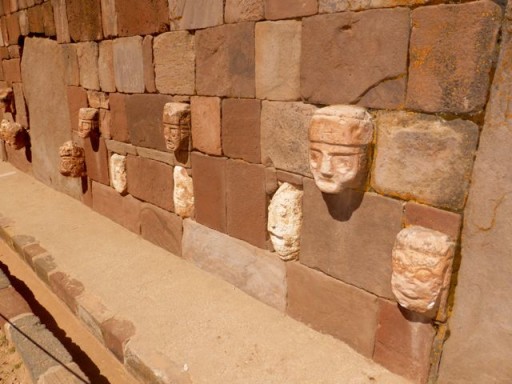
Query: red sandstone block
column 403, row 342
column 151, row 181
column 284, row 9
column 246, row 202
column 206, row 126
column 12, row 71
column 209, row 174
column 13, row 28
column 77, row 98
column 96, row 159
column 66, row 288
column 116, row 333
column 84, row 19
column 433, row 218
column 12, row 304
column 142, row 17
column 162, row 228
column 241, row 129
column 119, row 120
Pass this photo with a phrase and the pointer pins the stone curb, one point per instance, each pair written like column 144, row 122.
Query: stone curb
column 111, row 330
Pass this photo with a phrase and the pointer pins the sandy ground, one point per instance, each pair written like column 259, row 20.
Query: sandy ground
column 12, row 370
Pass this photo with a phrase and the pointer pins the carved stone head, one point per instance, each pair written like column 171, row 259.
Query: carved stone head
column 176, row 123
column 87, row 121
column 285, row 221
column 72, row 160
column 183, row 195
column 421, row 258
column 338, row 147
column 12, row 133
column 6, row 97
column 118, row 172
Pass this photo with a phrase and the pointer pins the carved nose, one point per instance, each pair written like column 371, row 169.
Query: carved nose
column 326, row 167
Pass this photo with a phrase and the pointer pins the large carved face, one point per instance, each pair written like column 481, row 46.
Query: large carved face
column 421, row 259
column 339, row 138
column 72, row 160
column 87, row 121
column 176, row 122
column 285, row 221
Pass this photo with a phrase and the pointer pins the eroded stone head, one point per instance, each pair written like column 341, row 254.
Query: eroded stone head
column 176, row 121
column 118, row 172
column 72, row 160
column 87, row 121
column 183, row 192
column 339, row 137
column 421, row 258
column 12, row 133
column 285, row 221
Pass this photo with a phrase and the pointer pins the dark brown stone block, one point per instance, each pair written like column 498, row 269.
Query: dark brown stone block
column 12, row 304
column 12, row 71
column 48, row 19
column 13, row 28
column 162, row 228
column 96, row 159
column 35, row 20
column 84, row 19
column 142, row 17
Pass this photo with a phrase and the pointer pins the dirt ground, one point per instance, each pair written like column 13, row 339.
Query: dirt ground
column 12, row 370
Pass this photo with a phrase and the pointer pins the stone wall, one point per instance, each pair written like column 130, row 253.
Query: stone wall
column 253, row 74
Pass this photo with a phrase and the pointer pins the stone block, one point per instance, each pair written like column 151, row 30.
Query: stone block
column 66, row 288
column 142, row 173
column 12, row 71
column 21, row 159
column 4, row 281
column 30, row 252
column 84, row 19
column 35, row 19
column 44, row 267
column 147, row 61
column 14, row 51
column 403, row 342
column 424, row 157
column 55, row 20
column 195, row 14
column 21, row 241
column 284, row 135
column 175, row 63
column 93, row 312
column 124, row 210
column 118, row 116
column 433, row 218
column 105, row 124
column 21, row 106
column 241, row 129
column 62, row 374
column 96, row 159
column 350, row 236
column 117, row 168
column 88, row 63
column 161, row 228
column 332, row 6
column 77, row 98
column 142, row 17
column 98, row 100
column 209, row 175
column 370, row 51
column 278, row 48
column 330, row 306
column 12, row 304
column 451, row 56
column 106, row 66
column 70, row 55
column 144, row 114
column 225, row 61
column 259, row 273
column 109, row 18
column 13, row 28
column 286, row 9
column 206, row 124
column 163, row 157
column 24, row 26
column 121, row 148
column 116, row 333
column 128, row 64
column 244, row 10
column 246, row 197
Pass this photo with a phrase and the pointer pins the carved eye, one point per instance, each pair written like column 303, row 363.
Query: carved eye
column 315, row 157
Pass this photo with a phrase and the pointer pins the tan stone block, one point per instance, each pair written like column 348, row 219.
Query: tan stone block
column 149, row 68
column 343, row 73
column 350, row 236
column 433, row 218
column 13, row 28
column 35, row 20
column 226, row 54
column 206, row 126
column 70, row 55
column 121, row 148
column 258, row 273
column 98, row 99
column 105, row 124
column 116, row 333
column 162, row 228
column 142, row 17
column 424, row 157
column 285, row 9
column 109, row 18
column 331, row 6
column 66, row 288
column 183, row 193
column 278, row 53
column 284, row 135
column 175, row 63
column 244, row 10
column 128, row 64
column 84, row 19
column 106, row 66
column 21, row 107
column 195, row 14
column 451, row 55
column 59, row 13
column 88, row 63
column 330, row 306
column 117, row 167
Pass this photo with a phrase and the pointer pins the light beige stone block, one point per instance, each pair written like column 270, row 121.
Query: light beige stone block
column 195, row 14
column 128, row 64
column 183, row 193
column 117, row 167
column 106, row 66
column 88, row 63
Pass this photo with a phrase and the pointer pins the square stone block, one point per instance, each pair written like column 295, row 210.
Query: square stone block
column 244, row 10
column 225, row 61
column 350, row 236
column 285, row 9
column 88, row 64
column 330, row 306
column 195, row 14
column 424, row 157
column 96, row 159
column 128, row 64
column 118, row 115
column 206, row 127
column 346, row 56
column 142, row 17
column 433, row 218
column 241, row 129
column 162, row 228
column 84, row 19
column 451, row 55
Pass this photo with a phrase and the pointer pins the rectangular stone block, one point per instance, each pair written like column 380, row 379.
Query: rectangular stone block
column 12, row 71
column 147, row 61
column 209, row 174
column 128, row 64
column 109, row 18
column 350, row 236
column 84, row 19
column 433, row 218
column 241, row 129
column 88, row 63
column 334, row 75
column 332, row 6
column 175, row 63
column 142, row 173
column 35, row 20
column 451, row 55
column 226, row 54
column 77, row 98
column 118, row 115
column 57, row 9
column 403, row 342
column 284, row 135
column 96, row 159
column 142, row 17
column 106, row 66
column 121, row 148
column 162, row 228
column 195, row 14
column 124, row 210
column 332, row 307
column 244, row 10
column 66, row 288
column 12, row 304
column 206, row 124
column 21, row 107
column 256, row 272
column 24, row 26
column 70, row 55
column 13, row 28
column 285, row 9
column 246, row 198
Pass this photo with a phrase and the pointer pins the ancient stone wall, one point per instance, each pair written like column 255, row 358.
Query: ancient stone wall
column 317, row 154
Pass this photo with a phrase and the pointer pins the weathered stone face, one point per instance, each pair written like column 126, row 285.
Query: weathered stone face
column 285, row 221
column 176, row 123
column 183, row 193
column 421, row 259
column 12, row 133
column 339, row 138
column 118, row 172
column 87, row 121
column 72, row 162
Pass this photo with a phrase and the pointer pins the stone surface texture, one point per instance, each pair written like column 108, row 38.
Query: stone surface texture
column 96, row 159
column 424, row 157
column 161, row 228
column 88, row 122
column 148, row 63
column 347, row 55
column 433, row 218
column 128, row 64
column 84, row 19
column 195, row 14
column 88, row 64
column 117, row 165
column 109, row 18
column 283, row 9
column 244, row 10
column 206, row 124
column 183, row 193
column 451, row 55
column 106, row 66
column 141, row 17
column 332, row 6
column 119, row 128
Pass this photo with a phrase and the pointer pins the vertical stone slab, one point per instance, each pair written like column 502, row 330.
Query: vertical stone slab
column 88, row 63
column 109, row 18
column 46, row 93
column 129, row 64
column 61, row 20
column 244, row 10
column 106, row 66
column 149, row 67
column 479, row 348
